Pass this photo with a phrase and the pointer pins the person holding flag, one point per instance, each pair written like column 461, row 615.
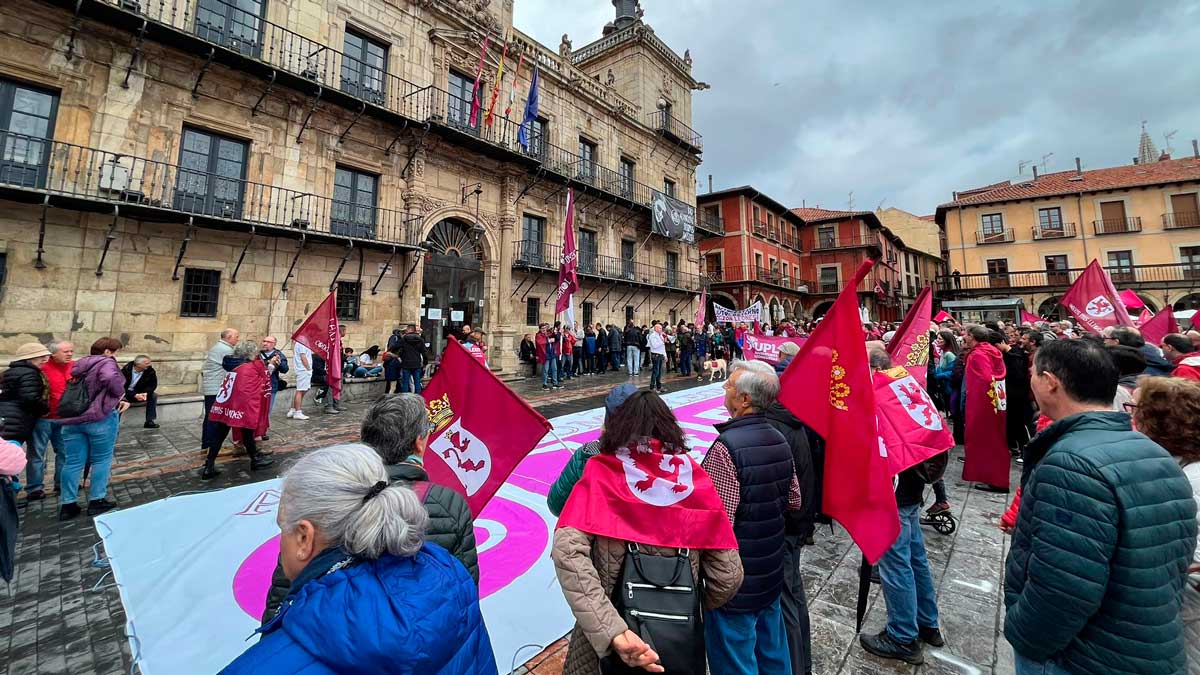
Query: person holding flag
column 242, row 402
column 986, row 411
column 322, row 335
column 626, row 497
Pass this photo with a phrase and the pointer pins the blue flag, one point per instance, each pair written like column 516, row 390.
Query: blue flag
column 531, row 111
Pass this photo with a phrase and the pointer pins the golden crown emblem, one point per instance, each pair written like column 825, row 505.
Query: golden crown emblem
column 439, row 412
column 919, row 354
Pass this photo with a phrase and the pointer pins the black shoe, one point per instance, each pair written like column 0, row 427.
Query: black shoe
column 68, row 511
column 931, row 636
column 332, row 411
column 545, row 387
column 883, row 645
column 261, row 461
column 151, row 425
column 209, row 472
column 984, row 487
column 264, row 437
column 35, row 495
column 98, row 506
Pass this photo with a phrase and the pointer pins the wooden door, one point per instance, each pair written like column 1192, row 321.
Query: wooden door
column 1112, row 217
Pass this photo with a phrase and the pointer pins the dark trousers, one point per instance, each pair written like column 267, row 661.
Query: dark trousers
column 685, row 362
column 390, row 386
column 209, row 429
column 219, row 432
column 410, row 380
column 795, row 607
column 151, row 404
column 615, row 358
column 656, row 370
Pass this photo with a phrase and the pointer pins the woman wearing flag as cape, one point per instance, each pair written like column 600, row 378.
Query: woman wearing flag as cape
column 641, row 489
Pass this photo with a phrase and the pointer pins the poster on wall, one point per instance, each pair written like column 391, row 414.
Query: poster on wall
column 672, row 218
column 434, row 314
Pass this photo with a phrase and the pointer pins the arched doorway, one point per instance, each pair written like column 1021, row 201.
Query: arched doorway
column 820, row 310
column 453, row 282
column 1189, row 301
column 1050, row 309
column 1151, row 303
column 776, row 311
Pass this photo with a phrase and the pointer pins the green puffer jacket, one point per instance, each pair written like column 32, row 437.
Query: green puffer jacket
column 570, row 475
column 450, row 526
column 1099, row 556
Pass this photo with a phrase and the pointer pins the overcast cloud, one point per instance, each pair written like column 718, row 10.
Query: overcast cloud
column 904, row 103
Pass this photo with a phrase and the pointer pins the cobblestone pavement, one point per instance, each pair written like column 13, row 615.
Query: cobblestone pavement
column 51, row 620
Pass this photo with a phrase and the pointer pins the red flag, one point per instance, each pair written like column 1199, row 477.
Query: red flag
column 986, row 435
column 1159, row 326
column 641, row 494
column 320, row 333
column 765, row 348
column 910, row 345
column 1131, row 300
column 702, row 313
column 1029, row 317
column 476, row 99
column 909, row 425
column 942, row 316
column 828, row 387
column 1093, row 300
column 487, row 119
column 481, row 429
column 879, row 291
column 244, row 399
column 568, row 279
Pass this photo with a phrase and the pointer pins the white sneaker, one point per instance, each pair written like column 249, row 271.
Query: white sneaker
column 291, row 411
column 299, row 415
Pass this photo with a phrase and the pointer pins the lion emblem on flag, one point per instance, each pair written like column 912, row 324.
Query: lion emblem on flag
column 916, row 403
column 999, row 395
column 466, row 455
column 1099, row 307
column 663, row 483
column 226, row 387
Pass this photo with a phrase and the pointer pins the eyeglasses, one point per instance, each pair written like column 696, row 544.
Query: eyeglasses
column 1129, row 407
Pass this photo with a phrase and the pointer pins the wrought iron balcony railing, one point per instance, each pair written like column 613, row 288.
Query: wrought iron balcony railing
column 710, row 224
column 1180, row 273
column 1064, row 231
column 760, row 229
column 173, row 192
column 750, row 273
column 1118, row 225
column 827, row 243
column 1180, row 220
column 542, row 255
column 1004, row 236
column 672, row 127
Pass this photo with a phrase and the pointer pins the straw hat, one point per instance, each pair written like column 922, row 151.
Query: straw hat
column 31, row 350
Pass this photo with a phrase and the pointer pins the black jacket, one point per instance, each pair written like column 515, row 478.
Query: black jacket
column 528, row 351
column 633, row 336
column 451, row 526
column 412, row 351
column 24, row 393
column 797, row 435
column 148, row 383
column 614, row 339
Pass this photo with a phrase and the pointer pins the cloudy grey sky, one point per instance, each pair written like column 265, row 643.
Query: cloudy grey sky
column 905, row 102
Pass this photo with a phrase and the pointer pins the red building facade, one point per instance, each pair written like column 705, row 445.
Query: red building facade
column 837, row 243
column 759, row 258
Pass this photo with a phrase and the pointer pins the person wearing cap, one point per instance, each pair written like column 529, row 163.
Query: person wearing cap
column 787, row 351
column 573, row 471
column 23, row 401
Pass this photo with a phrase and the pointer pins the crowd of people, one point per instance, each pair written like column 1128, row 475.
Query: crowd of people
column 1103, row 573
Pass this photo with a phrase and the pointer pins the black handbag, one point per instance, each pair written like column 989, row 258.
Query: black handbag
column 660, row 601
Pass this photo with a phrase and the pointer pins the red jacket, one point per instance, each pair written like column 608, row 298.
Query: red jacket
column 1009, row 519
column 57, row 376
column 1188, row 367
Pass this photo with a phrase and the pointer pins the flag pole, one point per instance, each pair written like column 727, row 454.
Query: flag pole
column 560, row 440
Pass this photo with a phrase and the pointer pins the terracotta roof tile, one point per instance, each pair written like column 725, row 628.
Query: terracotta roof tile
column 1068, row 182
column 823, row 215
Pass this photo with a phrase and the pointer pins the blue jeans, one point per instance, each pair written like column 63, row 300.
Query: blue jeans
column 45, row 432
column 907, row 585
column 685, row 362
column 88, row 443
column 412, row 375
column 615, row 357
column 363, row 371
column 564, row 367
column 550, row 371
column 1026, row 666
column 747, row 643
column 633, row 359
column 656, row 370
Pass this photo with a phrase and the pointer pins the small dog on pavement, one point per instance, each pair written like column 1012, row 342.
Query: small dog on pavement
column 714, row 367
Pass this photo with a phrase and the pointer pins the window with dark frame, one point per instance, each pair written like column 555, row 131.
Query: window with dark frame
column 354, row 202
column 1190, row 257
column 349, row 298
column 673, row 317
column 1120, row 266
column 589, row 251
column 212, row 174
column 627, row 252
column 587, row 159
column 236, row 25
column 533, row 237
column 993, row 224
column 826, row 236
column 1056, row 270
column 533, row 312
column 669, row 188
column 461, row 91
column 628, row 313
column 539, row 137
column 364, row 67
column 672, row 268
column 998, row 269
column 201, row 292
column 628, row 174
column 1050, row 219
column 588, row 313
column 828, row 279
column 27, row 115
column 3, row 268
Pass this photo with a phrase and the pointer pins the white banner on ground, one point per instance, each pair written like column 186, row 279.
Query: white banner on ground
column 749, row 315
column 193, row 570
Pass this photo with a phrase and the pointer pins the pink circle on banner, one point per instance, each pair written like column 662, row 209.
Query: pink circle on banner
column 252, row 580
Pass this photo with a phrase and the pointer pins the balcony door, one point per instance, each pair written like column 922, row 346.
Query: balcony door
column 1190, row 257
column 827, row 236
column 458, row 107
column 589, row 251
column 998, row 273
column 1120, row 267
column 354, row 200
column 1185, row 210
column 236, row 24
column 1112, row 217
column 672, row 268
column 627, row 253
column 212, row 174
column 364, row 68
column 26, row 128
column 1056, row 270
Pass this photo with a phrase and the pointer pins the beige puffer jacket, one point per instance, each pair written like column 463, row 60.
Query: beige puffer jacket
column 588, row 567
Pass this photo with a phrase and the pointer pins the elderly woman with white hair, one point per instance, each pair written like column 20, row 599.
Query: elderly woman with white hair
column 368, row 594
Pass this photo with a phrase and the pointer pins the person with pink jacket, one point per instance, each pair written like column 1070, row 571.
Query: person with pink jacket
column 12, row 461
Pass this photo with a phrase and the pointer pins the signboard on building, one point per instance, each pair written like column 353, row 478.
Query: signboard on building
column 672, row 218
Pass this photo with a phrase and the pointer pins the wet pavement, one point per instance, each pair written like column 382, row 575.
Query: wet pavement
column 53, row 619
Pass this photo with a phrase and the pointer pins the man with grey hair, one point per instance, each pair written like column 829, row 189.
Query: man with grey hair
column 397, row 428
column 212, row 374
column 140, row 384
column 47, row 431
column 751, row 468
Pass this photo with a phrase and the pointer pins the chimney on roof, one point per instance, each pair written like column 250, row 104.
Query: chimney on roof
column 628, row 13
column 1164, row 156
column 1195, row 149
column 1135, row 161
column 1078, row 167
column 1035, row 173
column 710, row 182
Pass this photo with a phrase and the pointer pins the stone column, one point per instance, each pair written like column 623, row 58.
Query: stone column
column 410, row 298
column 504, row 331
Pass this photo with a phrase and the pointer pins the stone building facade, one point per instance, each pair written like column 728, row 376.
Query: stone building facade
column 172, row 167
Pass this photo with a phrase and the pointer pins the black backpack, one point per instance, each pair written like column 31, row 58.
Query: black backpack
column 660, row 601
column 75, row 399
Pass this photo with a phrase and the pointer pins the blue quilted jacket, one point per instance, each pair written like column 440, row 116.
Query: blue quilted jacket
column 392, row 615
column 1106, row 529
